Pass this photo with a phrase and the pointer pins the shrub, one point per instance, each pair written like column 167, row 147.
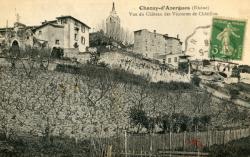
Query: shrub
column 139, row 118
column 236, row 148
column 233, row 92
column 196, row 80
column 57, row 53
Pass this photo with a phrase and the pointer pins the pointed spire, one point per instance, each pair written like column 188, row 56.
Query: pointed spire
column 113, row 8
column 17, row 16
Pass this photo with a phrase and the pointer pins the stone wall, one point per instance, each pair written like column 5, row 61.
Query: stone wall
column 142, row 67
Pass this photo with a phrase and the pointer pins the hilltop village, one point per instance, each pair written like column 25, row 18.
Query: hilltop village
column 159, row 57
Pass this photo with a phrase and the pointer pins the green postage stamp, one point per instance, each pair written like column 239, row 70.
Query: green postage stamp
column 227, row 39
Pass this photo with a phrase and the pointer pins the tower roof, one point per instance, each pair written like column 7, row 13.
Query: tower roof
column 113, row 8
column 113, row 13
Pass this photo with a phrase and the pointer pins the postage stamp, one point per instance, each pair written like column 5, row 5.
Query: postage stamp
column 227, row 38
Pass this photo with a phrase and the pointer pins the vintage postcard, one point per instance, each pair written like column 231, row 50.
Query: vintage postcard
column 124, row 78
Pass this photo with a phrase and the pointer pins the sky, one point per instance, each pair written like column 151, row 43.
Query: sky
column 92, row 12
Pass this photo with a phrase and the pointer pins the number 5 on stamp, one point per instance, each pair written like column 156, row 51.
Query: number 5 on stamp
column 227, row 39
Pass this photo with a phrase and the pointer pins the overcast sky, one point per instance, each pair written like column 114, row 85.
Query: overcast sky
column 92, row 12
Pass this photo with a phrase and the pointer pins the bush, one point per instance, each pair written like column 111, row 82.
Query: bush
column 57, row 53
column 196, row 80
column 233, row 92
column 57, row 145
column 139, row 118
column 244, row 68
column 179, row 122
column 236, row 148
column 183, row 67
column 101, row 71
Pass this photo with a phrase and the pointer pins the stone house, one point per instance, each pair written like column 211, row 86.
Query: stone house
column 19, row 36
column 67, row 33
column 158, row 46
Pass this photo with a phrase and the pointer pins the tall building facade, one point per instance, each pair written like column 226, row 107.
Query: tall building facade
column 157, row 46
column 113, row 25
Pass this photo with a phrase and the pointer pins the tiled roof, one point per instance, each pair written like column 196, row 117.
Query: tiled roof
column 63, row 17
column 45, row 24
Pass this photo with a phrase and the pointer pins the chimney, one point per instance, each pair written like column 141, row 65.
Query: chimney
column 45, row 21
column 166, row 35
column 154, row 31
column 177, row 36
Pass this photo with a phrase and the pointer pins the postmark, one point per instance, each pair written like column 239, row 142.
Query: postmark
column 227, row 38
column 197, row 43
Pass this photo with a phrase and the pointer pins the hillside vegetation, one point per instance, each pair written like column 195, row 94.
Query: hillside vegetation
column 93, row 101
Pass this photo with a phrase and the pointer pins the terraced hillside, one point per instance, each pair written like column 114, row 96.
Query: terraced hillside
column 94, row 101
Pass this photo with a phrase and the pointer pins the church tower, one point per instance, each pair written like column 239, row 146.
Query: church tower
column 113, row 24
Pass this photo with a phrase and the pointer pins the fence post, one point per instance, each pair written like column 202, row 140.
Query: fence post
column 211, row 138
column 207, row 138
column 184, row 140
column 241, row 132
column 125, row 144
column 170, row 142
column 151, row 143
column 109, row 151
column 224, row 132
column 230, row 134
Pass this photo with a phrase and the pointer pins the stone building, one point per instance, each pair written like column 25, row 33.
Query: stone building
column 19, row 36
column 157, row 46
column 113, row 26
column 66, row 32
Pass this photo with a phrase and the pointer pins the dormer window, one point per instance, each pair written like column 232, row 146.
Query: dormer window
column 40, row 33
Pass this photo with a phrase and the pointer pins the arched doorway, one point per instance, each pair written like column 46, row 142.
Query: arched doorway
column 57, row 53
column 15, row 44
column 15, row 48
column 14, row 53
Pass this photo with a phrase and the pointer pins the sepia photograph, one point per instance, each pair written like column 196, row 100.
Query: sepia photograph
column 124, row 78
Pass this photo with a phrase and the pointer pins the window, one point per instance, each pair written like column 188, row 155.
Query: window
column 82, row 40
column 75, row 36
column 175, row 59
column 169, row 60
column 40, row 33
column 64, row 21
column 83, row 29
column 57, row 42
column 146, row 48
